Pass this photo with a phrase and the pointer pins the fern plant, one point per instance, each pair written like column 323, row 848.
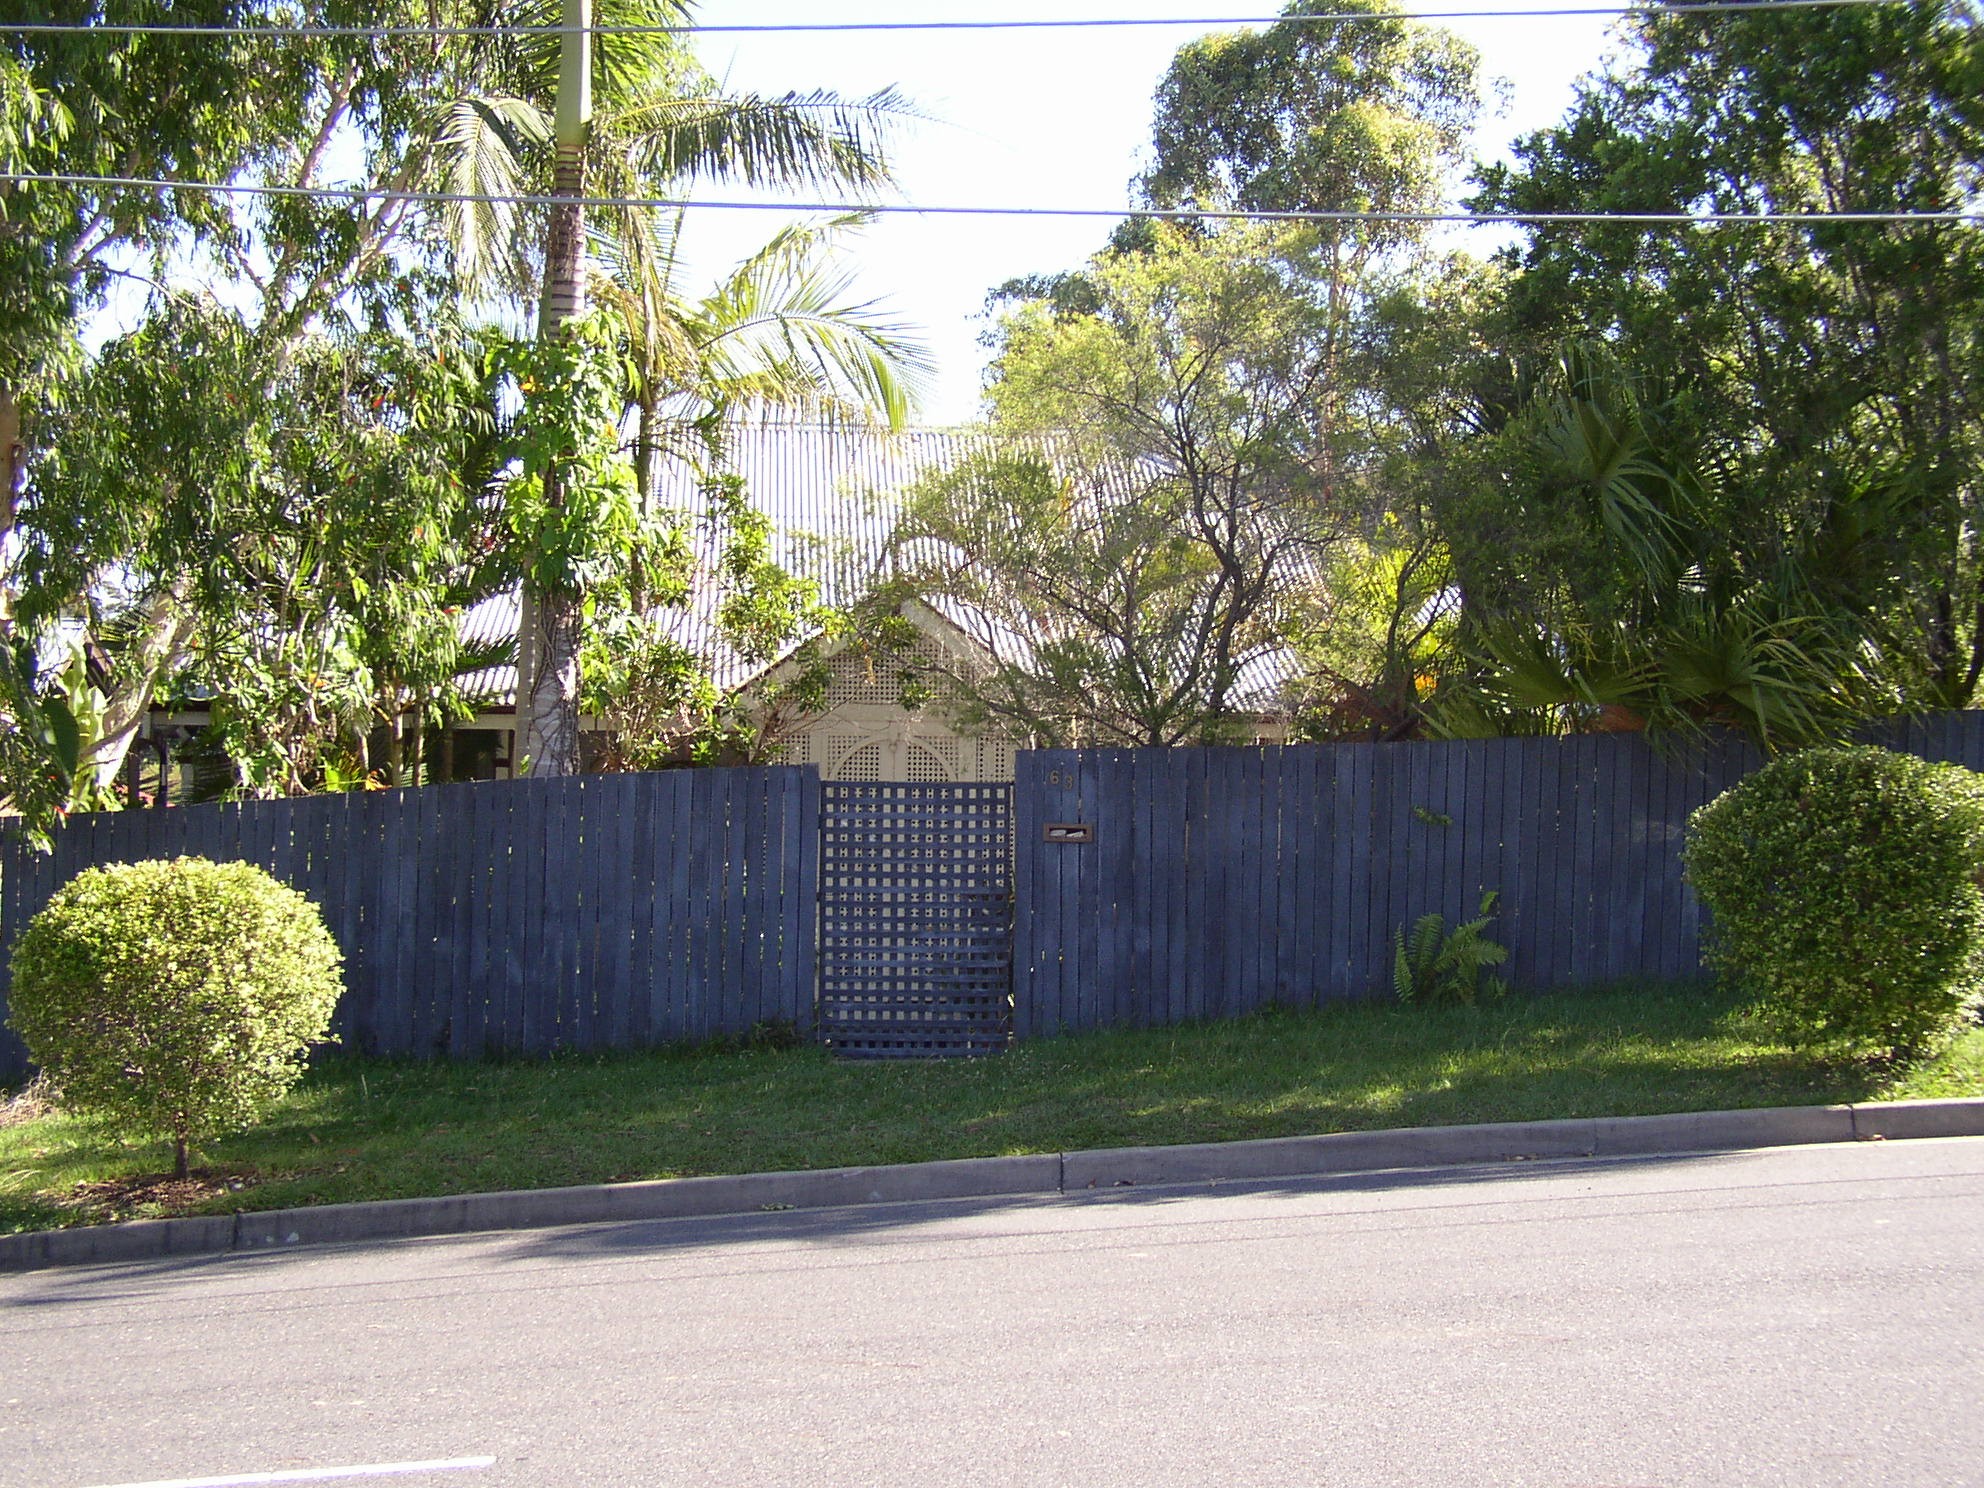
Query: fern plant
column 1442, row 966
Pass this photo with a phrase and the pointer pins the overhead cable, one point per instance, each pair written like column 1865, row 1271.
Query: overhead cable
column 361, row 195
column 1347, row 17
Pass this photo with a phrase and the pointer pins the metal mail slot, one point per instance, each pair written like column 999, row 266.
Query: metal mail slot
column 1068, row 832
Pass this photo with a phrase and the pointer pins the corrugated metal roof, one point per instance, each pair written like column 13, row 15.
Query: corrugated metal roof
column 832, row 494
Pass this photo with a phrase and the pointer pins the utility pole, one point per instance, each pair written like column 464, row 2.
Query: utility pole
column 548, row 624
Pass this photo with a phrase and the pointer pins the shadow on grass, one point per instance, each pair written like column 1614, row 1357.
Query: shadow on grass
column 367, row 1129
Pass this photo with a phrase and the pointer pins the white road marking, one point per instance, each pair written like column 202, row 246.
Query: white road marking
column 319, row 1474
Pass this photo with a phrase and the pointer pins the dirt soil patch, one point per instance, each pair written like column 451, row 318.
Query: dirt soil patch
column 153, row 1195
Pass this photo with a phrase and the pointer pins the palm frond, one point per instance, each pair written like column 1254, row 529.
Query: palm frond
column 780, row 331
column 482, row 144
column 1598, row 430
column 799, row 139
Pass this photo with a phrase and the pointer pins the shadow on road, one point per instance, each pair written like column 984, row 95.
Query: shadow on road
column 858, row 1222
column 853, row 1224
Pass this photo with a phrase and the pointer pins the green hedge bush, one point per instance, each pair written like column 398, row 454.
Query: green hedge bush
column 1843, row 890
column 174, row 999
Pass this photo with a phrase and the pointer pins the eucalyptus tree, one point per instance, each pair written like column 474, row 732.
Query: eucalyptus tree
column 1165, row 503
column 1371, row 115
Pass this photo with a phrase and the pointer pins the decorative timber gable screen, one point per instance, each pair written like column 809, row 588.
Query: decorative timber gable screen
column 1104, row 887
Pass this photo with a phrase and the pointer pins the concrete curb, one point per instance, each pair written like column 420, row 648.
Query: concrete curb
column 1046, row 1174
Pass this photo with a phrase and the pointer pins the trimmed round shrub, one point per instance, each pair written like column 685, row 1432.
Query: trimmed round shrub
column 174, row 999
column 1843, row 890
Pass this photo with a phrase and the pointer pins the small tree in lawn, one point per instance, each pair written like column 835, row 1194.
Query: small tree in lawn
column 174, row 999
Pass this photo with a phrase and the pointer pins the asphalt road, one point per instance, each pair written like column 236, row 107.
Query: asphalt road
column 1803, row 1316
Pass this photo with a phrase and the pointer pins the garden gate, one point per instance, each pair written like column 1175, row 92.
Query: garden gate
column 916, row 918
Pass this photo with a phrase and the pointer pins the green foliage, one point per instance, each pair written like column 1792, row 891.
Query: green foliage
column 1437, row 966
column 779, row 332
column 1824, row 379
column 1374, row 635
column 212, row 473
column 1167, row 469
column 1361, row 117
column 303, row 528
column 40, row 744
column 660, row 699
column 1605, row 591
column 569, row 421
column 1263, row 376
column 48, row 724
column 1843, row 890
column 174, row 999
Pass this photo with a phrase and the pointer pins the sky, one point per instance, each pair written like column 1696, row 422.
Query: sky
column 1055, row 118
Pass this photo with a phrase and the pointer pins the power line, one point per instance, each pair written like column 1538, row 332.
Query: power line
column 360, row 194
column 1684, row 7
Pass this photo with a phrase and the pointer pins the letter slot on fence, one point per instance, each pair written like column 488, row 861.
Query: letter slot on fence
column 1068, row 832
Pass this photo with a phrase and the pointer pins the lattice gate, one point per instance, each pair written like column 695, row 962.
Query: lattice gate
column 916, row 918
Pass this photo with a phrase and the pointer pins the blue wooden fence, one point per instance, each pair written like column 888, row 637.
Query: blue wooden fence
column 1217, row 881
column 514, row 917
column 621, row 911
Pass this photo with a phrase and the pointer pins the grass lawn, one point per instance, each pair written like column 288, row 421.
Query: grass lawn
column 364, row 1129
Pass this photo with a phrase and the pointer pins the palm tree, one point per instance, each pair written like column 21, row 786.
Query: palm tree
column 775, row 333
column 779, row 332
column 1699, row 634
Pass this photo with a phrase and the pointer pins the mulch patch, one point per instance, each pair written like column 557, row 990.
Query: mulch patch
column 155, row 1195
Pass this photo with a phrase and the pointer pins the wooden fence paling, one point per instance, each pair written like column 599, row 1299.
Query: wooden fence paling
column 1223, row 880
column 626, row 911
column 512, row 916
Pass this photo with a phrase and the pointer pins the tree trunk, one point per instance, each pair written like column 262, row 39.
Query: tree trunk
column 551, row 727
column 12, row 454
column 168, row 628
column 647, row 444
column 395, row 752
column 527, row 647
column 548, row 624
column 180, row 1169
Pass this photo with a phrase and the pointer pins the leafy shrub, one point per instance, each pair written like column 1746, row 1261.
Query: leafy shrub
column 1843, row 890
column 174, row 999
column 1436, row 965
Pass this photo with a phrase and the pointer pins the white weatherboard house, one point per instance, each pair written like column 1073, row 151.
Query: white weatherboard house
column 831, row 494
